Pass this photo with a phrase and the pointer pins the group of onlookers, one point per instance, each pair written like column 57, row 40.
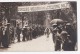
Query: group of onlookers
column 9, row 34
column 64, row 37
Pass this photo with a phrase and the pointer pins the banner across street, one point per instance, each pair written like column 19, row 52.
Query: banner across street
column 45, row 7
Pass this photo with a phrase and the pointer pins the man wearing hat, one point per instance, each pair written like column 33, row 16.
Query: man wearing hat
column 66, row 42
column 54, row 31
column 56, row 37
column 6, row 38
column 73, row 35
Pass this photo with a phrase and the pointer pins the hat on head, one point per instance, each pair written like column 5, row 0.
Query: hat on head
column 68, row 24
column 54, row 24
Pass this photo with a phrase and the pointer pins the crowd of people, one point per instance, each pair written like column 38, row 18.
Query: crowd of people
column 9, row 34
column 64, row 37
column 33, row 32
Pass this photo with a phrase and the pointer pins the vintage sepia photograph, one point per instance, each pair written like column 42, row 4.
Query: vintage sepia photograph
column 38, row 26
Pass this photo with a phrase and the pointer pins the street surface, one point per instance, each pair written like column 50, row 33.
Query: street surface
column 39, row 44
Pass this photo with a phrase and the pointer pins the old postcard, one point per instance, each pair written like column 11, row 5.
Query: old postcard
column 38, row 26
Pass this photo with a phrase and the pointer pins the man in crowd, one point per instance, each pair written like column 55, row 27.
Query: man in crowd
column 18, row 31
column 12, row 34
column 66, row 42
column 6, row 36
column 72, row 37
column 54, row 31
column 24, row 33
column 1, row 34
column 30, row 33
